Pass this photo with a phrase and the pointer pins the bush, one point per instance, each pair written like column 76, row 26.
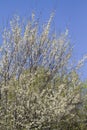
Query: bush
column 38, row 89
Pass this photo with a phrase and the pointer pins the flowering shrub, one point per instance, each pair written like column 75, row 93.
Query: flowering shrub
column 38, row 88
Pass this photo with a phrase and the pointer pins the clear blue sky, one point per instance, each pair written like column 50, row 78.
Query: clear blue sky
column 70, row 14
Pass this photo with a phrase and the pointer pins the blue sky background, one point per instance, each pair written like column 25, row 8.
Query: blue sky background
column 71, row 14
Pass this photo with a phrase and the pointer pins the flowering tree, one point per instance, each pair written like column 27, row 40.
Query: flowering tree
column 38, row 89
